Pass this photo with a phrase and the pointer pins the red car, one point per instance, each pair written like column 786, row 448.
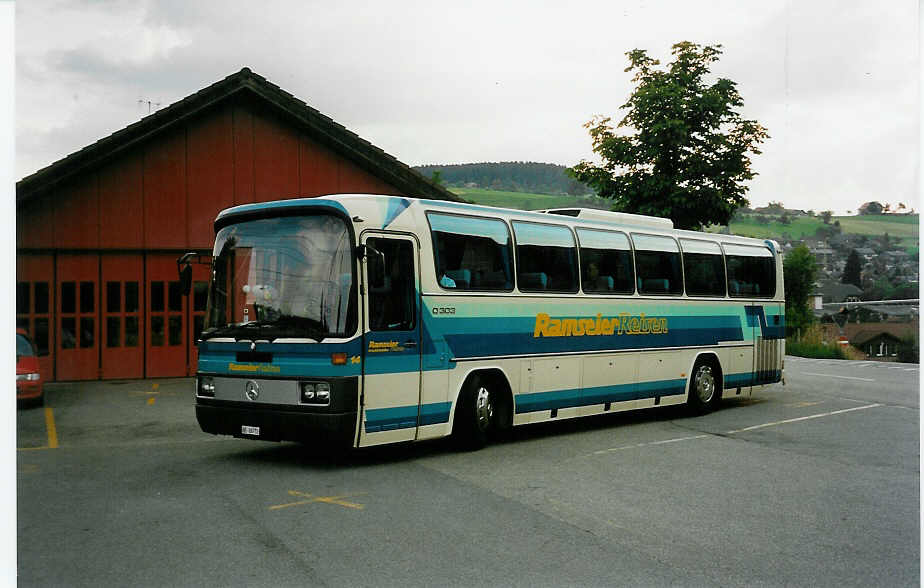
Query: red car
column 28, row 378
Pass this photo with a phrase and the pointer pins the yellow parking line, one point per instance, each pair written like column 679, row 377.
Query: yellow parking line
column 338, row 500
column 151, row 400
column 52, row 430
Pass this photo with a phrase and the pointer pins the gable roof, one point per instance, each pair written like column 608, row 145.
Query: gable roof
column 244, row 83
column 832, row 291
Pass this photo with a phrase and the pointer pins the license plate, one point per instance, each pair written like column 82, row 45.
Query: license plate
column 245, row 430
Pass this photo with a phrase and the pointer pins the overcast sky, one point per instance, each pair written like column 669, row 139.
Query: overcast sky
column 835, row 83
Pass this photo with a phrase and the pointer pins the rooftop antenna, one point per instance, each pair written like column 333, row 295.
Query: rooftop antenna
column 156, row 105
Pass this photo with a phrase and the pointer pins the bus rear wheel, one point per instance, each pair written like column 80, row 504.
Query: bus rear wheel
column 704, row 388
column 476, row 416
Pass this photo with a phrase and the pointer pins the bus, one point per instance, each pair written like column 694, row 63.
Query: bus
column 357, row 320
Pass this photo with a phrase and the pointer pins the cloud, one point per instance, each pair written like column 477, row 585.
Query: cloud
column 487, row 80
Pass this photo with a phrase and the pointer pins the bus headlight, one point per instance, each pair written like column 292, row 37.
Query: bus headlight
column 206, row 387
column 315, row 393
column 307, row 392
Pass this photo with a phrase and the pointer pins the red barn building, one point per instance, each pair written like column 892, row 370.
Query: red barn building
column 98, row 232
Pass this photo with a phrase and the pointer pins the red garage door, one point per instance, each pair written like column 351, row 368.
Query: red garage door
column 34, row 303
column 165, row 319
column 122, row 327
column 77, row 341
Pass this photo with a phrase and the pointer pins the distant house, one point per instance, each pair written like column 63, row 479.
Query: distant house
column 876, row 340
column 866, row 253
column 832, row 291
column 877, row 345
column 823, row 254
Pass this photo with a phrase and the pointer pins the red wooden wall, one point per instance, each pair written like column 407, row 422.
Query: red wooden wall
column 126, row 222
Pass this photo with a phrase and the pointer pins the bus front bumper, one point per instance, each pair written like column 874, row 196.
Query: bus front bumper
column 275, row 423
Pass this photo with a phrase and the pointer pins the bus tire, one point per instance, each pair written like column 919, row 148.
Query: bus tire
column 476, row 415
column 705, row 386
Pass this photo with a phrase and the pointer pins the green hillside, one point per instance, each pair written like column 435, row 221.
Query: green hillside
column 903, row 227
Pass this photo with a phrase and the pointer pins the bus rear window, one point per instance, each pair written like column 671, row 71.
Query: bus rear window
column 751, row 272
column 471, row 253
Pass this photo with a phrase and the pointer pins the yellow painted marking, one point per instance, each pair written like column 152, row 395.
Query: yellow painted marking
column 155, row 386
column 338, row 500
column 28, row 468
column 32, row 448
column 150, row 400
column 52, row 430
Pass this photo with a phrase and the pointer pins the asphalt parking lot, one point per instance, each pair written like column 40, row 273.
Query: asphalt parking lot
column 816, row 482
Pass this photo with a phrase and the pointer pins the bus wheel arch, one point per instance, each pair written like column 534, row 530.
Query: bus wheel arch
column 704, row 385
column 484, row 406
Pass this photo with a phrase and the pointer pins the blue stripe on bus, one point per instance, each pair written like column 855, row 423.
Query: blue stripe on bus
column 539, row 401
column 405, row 417
column 752, row 379
column 394, row 207
column 471, row 337
column 756, row 317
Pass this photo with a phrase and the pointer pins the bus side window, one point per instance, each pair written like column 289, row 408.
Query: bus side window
column 471, row 253
column 546, row 258
column 392, row 295
column 703, row 268
column 606, row 262
column 657, row 262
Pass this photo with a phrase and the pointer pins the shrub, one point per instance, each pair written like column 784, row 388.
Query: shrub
column 814, row 350
column 812, row 344
column 908, row 351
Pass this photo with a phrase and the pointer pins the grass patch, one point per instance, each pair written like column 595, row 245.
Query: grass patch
column 814, row 349
column 800, row 228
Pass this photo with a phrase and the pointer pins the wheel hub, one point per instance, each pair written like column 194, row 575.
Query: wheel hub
column 484, row 408
column 705, row 384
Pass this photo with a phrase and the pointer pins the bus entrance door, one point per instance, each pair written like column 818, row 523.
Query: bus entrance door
column 392, row 344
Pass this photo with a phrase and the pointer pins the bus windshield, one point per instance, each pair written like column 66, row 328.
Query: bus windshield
column 282, row 278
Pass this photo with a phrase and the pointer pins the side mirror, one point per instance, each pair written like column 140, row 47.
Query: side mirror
column 186, row 280
column 185, row 272
column 375, row 264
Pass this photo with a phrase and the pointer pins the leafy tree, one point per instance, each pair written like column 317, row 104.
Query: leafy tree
column 785, row 219
column 870, row 208
column 852, row 269
column 826, row 216
column 683, row 149
column 799, row 273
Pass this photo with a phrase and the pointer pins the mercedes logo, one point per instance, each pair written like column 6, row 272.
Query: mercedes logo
column 251, row 390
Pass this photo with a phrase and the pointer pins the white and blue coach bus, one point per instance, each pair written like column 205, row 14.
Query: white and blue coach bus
column 365, row 319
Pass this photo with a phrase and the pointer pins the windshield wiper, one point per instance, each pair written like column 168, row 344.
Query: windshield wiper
column 283, row 326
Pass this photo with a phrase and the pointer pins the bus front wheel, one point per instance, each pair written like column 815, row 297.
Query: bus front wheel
column 704, row 387
column 476, row 416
